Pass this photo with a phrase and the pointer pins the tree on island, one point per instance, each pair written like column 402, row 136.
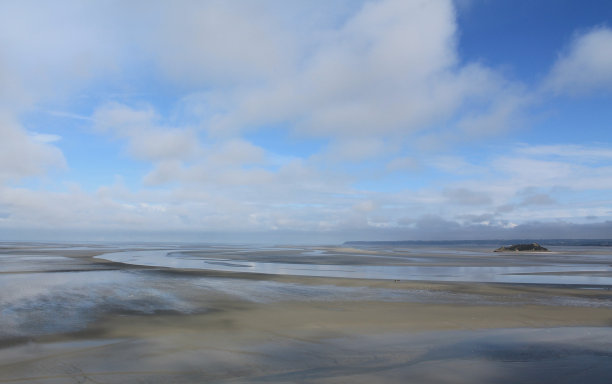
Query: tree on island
column 533, row 247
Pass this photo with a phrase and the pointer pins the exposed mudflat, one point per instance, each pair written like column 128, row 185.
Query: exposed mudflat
column 69, row 316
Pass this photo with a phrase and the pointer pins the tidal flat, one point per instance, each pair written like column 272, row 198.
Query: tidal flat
column 159, row 313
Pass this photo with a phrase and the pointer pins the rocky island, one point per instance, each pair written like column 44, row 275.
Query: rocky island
column 533, row 247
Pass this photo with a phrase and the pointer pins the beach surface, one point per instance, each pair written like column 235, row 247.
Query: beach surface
column 96, row 313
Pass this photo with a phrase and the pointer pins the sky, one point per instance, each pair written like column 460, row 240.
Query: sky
column 305, row 121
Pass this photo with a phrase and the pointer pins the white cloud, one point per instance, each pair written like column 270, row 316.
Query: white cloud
column 463, row 196
column 44, row 137
column 365, row 206
column 524, row 172
column 375, row 81
column 219, row 163
column 218, row 42
column 455, row 165
column 585, row 66
column 534, row 171
column 538, row 199
column 388, row 70
column 23, row 154
column 122, row 118
column 165, row 172
column 504, row 114
column 236, row 152
column 226, row 197
column 403, row 164
column 147, row 139
column 355, row 150
column 49, row 50
column 535, row 183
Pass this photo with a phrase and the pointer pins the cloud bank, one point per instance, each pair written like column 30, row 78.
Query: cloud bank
column 333, row 120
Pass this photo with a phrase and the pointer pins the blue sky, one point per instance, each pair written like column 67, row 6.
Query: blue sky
column 305, row 121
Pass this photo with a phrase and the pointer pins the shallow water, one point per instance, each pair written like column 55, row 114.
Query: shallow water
column 549, row 272
column 42, row 291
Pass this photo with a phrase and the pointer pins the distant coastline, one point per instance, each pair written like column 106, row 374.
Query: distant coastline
column 496, row 242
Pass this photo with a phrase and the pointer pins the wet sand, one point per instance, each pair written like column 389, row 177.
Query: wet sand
column 70, row 317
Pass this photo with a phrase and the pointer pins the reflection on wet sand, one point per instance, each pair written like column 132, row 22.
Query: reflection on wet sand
column 69, row 317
